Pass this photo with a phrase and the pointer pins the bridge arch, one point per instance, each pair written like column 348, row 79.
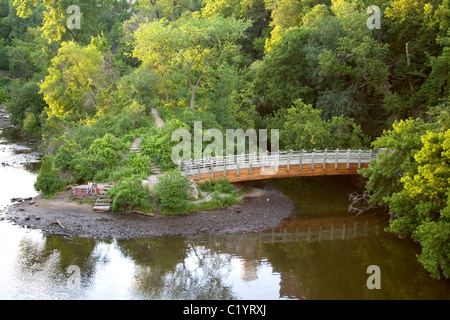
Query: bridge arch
column 256, row 166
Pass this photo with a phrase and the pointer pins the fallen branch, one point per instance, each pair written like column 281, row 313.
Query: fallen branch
column 59, row 223
column 359, row 203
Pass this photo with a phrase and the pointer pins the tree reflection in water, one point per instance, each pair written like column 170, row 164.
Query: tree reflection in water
column 172, row 268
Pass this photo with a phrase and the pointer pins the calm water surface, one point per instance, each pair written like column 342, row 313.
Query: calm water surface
column 321, row 253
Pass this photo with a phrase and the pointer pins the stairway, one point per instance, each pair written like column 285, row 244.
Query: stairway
column 135, row 147
column 103, row 201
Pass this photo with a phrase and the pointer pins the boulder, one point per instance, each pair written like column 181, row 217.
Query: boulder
column 194, row 191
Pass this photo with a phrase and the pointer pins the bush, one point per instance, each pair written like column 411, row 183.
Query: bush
column 129, row 194
column 173, row 192
column 134, row 164
column 222, row 194
column 219, row 185
column 3, row 95
column 158, row 144
column 48, row 180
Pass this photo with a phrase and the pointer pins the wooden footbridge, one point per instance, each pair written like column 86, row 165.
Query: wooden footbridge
column 283, row 164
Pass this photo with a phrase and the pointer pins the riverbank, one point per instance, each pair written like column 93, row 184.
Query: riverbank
column 262, row 208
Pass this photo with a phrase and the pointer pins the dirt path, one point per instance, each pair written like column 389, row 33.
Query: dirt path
column 159, row 121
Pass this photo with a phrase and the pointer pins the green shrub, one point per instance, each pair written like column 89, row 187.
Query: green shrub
column 133, row 164
column 219, row 185
column 206, row 186
column 129, row 194
column 173, row 192
column 222, row 194
column 48, row 180
column 158, row 144
column 3, row 95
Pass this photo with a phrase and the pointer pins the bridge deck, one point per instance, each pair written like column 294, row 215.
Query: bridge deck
column 248, row 167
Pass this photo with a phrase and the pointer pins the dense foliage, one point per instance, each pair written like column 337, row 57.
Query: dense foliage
column 312, row 69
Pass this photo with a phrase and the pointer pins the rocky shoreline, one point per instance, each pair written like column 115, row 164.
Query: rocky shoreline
column 263, row 208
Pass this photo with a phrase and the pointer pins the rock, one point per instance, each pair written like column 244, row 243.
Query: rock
column 150, row 182
column 21, row 209
column 26, row 218
column 37, row 218
column 194, row 191
column 31, row 202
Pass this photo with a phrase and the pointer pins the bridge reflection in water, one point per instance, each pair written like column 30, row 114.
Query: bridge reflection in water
column 311, row 230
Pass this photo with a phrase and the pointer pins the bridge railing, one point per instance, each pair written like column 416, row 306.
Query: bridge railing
column 282, row 158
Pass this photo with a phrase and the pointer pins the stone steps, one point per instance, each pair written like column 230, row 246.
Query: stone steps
column 103, row 201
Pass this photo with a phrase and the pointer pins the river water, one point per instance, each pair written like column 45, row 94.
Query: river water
column 323, row 252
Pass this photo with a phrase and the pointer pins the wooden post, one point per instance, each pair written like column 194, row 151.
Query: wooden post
column 325, row 159
column 300, row 163
column 312, row 159
column 288, row 167
column 343, row 230
column 198, row 171
column 336, row 153
column 237, row 168
column 332, row 231
column 211, row 168
column 225, row 167
column 359, row 159
column 348, row 159
column 250, row 168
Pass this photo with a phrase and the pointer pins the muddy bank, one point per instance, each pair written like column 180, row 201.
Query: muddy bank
column 261, row 209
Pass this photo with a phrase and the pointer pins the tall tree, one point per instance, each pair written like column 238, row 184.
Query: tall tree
column 191, row 45
column 79, row 81
column 56, row 15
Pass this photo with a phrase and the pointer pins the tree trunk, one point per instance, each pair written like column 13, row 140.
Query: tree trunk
column 193, row 96
column 167, row 93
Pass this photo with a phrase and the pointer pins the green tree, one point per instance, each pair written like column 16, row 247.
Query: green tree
column 55, row 27
column 25, row 99
column 129, row 194
column 79, row 82
column 173, row 192
column 282, row 76
column 303, row 128
column 191, row 45
column 395, row 159
column 49, row 180
column 422, row 208
column 411, row 177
